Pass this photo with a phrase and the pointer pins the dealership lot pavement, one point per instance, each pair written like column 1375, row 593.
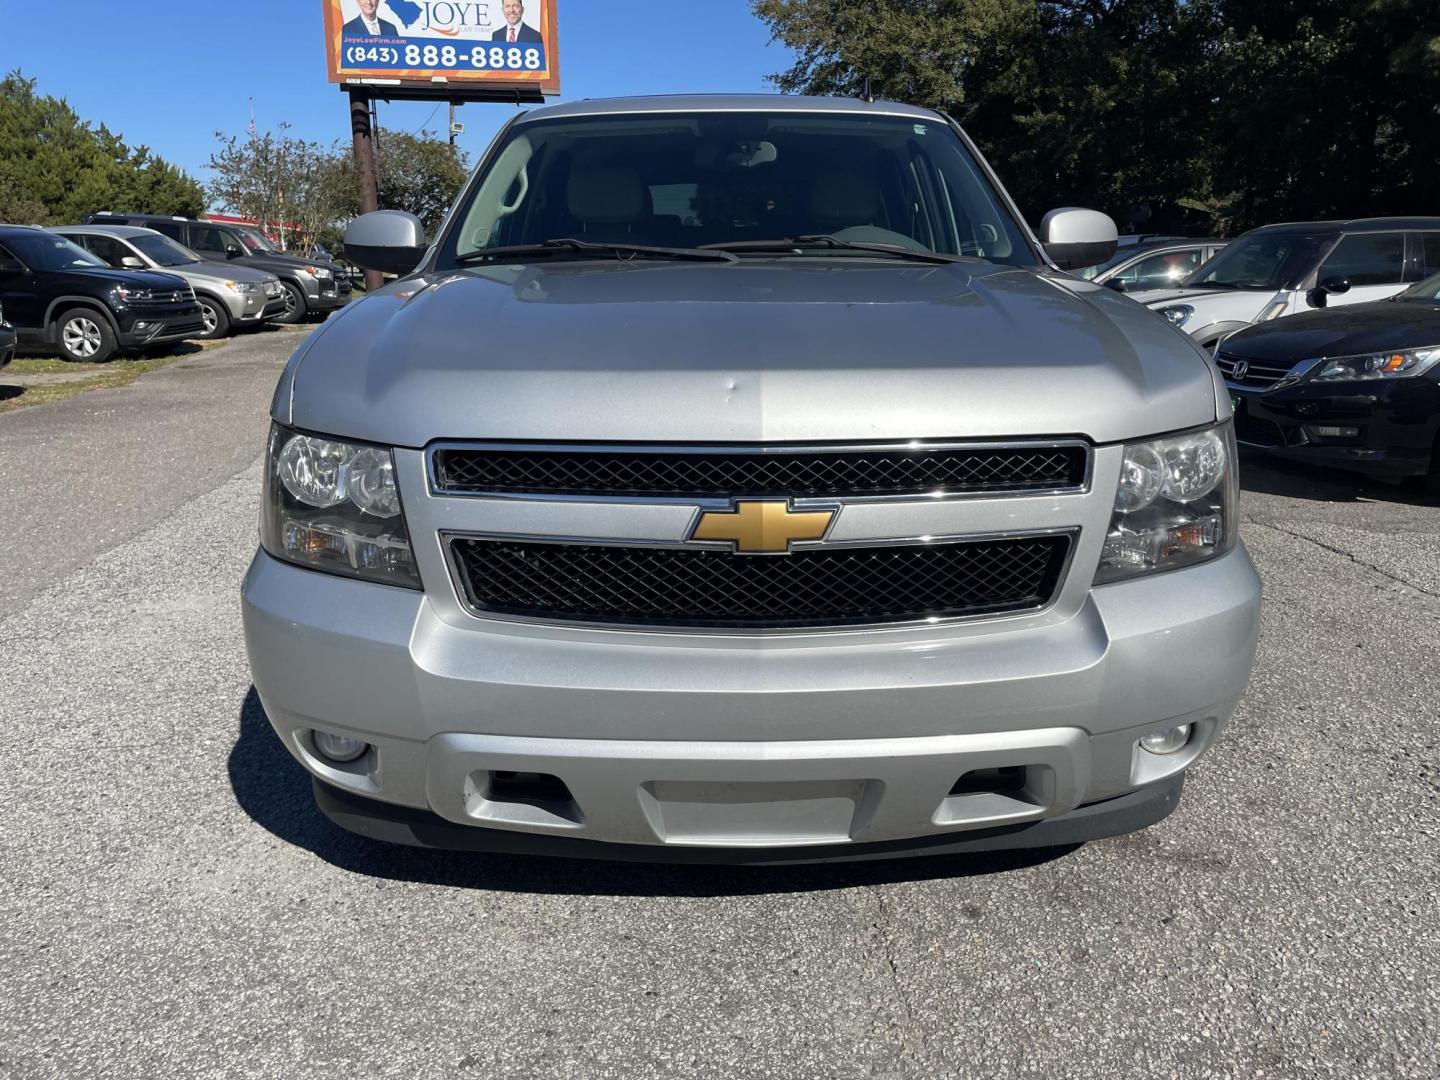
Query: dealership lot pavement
column 173, row 906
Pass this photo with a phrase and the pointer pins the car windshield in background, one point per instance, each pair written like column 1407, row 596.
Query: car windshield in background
column 740, row 180
column 1263, row 261
column 163, row 251
column 1426, row 291
column 256, row 241
column 46, row 251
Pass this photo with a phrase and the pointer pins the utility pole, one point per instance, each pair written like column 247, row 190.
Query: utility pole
column 366, row 173
column 452, row 127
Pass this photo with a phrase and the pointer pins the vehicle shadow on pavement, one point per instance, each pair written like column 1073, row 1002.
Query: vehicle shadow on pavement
column 274, row 791
column 1267, row 475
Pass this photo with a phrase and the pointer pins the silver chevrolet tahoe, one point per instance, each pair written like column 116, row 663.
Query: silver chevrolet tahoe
column 739, row 479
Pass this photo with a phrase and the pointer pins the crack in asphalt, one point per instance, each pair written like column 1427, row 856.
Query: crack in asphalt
column 1344, row 554
column 913, row 1050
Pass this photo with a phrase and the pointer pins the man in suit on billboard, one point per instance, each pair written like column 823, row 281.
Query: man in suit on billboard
column 515, row 28
column 368, row 23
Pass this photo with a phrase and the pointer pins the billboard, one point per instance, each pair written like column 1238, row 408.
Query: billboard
column 460, row 48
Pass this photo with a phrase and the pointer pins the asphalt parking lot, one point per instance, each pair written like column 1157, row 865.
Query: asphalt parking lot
column 173, row 906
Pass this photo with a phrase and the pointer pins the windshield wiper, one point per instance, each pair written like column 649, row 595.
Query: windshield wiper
column 568, row 245
column 825, row 240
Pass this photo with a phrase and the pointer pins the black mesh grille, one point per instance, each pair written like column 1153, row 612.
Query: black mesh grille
column 700, row 587
column 722, row 474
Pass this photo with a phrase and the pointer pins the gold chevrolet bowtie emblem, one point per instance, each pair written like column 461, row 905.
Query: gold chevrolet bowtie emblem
column 762, row 527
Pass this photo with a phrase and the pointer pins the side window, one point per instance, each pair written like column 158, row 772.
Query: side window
column 1368, row 259
column 173, row 229
column 1159, row 271
column 208, row 238
column 9, row 264
column 108, row 248
column 1430, row 253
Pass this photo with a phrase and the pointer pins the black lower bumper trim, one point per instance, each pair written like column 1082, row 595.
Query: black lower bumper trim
column 422, row 828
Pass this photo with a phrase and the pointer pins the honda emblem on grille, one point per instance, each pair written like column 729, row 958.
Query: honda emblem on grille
column 1241, row 369
column 762, row 526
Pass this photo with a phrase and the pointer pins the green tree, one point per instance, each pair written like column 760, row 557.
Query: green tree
column 420, row 173
column 56, row 168
column 1241, row 111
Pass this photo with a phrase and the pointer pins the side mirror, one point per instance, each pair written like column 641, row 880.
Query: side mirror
column 131, row 262
column 1116, row 284
column 1074, row 237
column 232, row 252
column 1334, row 285
column 390, row 241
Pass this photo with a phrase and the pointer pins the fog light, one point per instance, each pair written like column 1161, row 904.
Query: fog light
column 1167, row 742
column 339, row 748
column 142, row 326
column 1326, row 432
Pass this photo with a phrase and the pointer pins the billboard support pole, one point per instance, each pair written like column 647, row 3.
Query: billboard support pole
column 365, row 170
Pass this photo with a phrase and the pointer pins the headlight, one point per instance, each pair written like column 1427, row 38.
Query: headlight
column 131, row 295
column 333, row 505
column 1177, row 313
column 1368, row 366
column 1174, row 504
column 319, row 272
column 244, row 288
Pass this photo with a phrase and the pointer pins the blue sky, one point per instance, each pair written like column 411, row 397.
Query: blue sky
column 169, row 73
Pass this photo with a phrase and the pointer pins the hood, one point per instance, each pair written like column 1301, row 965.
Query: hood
column 230, row 271
column 271, row 258
column 755, row 351
column 1245, row 298
column 136, row 279
column 1350, row 330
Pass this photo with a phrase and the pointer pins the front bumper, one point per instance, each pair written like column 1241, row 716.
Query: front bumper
column 8, row 341
column 141, row 328
column 679, row 742
column 329, row 296
column 1396, row 424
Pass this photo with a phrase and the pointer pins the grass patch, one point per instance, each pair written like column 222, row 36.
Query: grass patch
column 118, row 372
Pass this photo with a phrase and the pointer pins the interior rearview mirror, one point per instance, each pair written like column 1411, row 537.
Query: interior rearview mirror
column 1074, row 237
column 390, row 241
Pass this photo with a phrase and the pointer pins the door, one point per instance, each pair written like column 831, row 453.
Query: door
column 1373, row 263
column 106, row 247
column 18, row 295
column 212, row 242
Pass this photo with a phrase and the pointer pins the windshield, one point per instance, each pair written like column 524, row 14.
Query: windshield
column 1090, row 273
column 1262, row 261
column 1424, row 291
column 686, row 180
column 46, row 251
column 163, row 251
column 255, row 241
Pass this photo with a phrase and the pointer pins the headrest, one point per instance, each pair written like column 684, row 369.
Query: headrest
column 611, row 196
column 844, row 198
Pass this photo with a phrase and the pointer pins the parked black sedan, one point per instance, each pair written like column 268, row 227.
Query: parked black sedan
column 1357, row 387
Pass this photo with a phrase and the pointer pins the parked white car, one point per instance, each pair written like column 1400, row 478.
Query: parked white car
column 1280, row 270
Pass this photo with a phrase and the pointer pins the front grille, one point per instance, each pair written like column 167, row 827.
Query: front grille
column 711, row 588
column 1257, row 373
column 730, row 473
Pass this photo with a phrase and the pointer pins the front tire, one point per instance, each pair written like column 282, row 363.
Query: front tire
column 83, row 336
column 216, row 318
column 295, row 309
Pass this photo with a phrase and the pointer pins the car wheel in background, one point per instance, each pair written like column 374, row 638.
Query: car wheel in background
column 215, row 318
column 295, row 309
column 83, row 335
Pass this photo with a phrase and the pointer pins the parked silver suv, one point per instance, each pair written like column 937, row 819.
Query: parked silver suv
column 738, row 478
